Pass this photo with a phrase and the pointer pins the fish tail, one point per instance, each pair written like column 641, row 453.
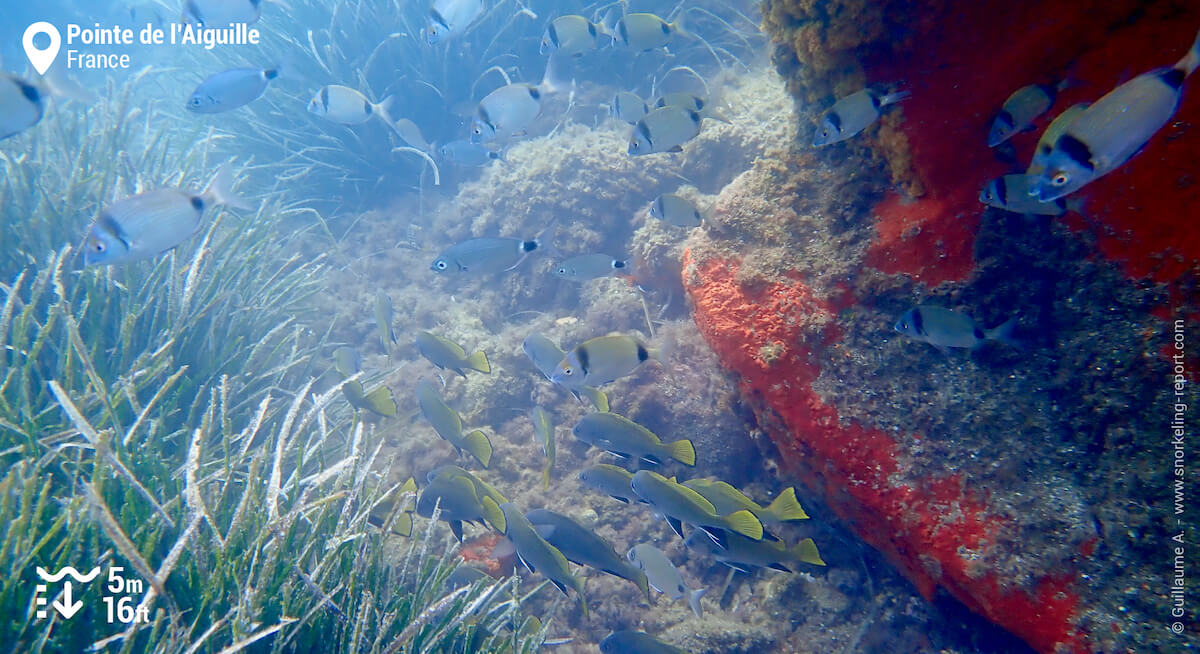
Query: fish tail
column 639, row 578
column 786, row 507
column 694, row 601
column 403, row 524
column 492, row 513
column 479, row 362
column 407, row 487
column 479, row 446
column 745, row 523
column 893, row 98
column 1191, row 60
column 806, row 550
column 683, row 451
column 1004, row 333
column 220, row 190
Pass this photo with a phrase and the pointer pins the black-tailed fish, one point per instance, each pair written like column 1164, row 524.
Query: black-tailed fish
column 614, row 481
column 22, row 105
column 664, row 129
column 741, row 553
column 627, row 106
column 482, row 488
column 539, row 556
column 852, row 114
column 456, row 499
column 1019, row 111
column 675, row 210
column 590, row 266
column 448, row 424
column 636, row 642
column 583, row 546
column 151, row 223
column 216, row 14
column 643, row 31
column 543, row 429
column 572, row 35
column 1055, row 129
column 679, row 504
column 231, row 89
column 466, row 153
column 727, row 499
column 943, row 328
column 450, row 18
column 546, row 355
column 1011, row 193
column 625, row 438
column 393, row 504
column 448, row 355
column 346, row 360
column 600, row 360
column 692, row 102
column 487, row 255
column 664, row 576
column 384, row 315
column 1114, row 128
column 379, row 401
column 344, row 105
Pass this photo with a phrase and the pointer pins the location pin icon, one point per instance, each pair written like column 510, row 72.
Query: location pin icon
column 41, row 59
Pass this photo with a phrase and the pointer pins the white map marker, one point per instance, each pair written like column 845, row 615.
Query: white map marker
column 41, row 59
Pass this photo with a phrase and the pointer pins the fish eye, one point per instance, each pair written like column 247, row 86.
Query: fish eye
column 99, row 246
column 441, row 265
column 568, row 371
column 562, row 271
column 903, row 325
column 1060, row 179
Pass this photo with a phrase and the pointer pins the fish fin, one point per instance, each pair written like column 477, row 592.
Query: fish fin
column 683, row 451
column 403, row 524
column 771, row 537
column 1191, row 60
column 651, row 459
column 620, row 499
column 493, row 514
column 694, row 601
column 717, row 536
column 546, row 477
column 479, row 362
column 676, row 525
column 780, row 567
column 786, row 507
column 740, row 567
column 1004, row 333
column 620, row 455
column 545, row 531
column 745, row 523
column 532, row 569
column 639, row 580
column 557, row 584
column 675, row 148
column 220, row 190
column 582, row 601
column 806, row 550
column 409, row 486
column 456, row 529
column 479, row 446
column 596, row 397
column 893, row 98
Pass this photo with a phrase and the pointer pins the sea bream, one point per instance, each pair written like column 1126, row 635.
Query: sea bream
column 447, row 423
column 231, row 89
column 456, row 499
column 727, row 499
column 345, row 106
column 545, row 355
column 583, row 267
column 603, row 359
column 543, row 431
column 506, row 112
column 642, row 31
column 1055, row 129
column 153, row 222
column 852, row 114
column 448, row 355
column 466, row 153
column 1011, row 193
column 627, row 439
column 614, row 481
column 679, row 504
column 692, row 102
column 450, row 18
column 636, row 642
column 1114, row 128
column 1019, row 111
column 664, row 129
column 572, row 35
column 664, row 576
column 22, row 105
column 540, row 556
column 744, row 555
column 943, row 328
column 486, row 255
column 628, row 106
column 583, row 546
column 675, row 210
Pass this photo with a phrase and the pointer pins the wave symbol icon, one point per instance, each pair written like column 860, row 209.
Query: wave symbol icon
column 75, row 574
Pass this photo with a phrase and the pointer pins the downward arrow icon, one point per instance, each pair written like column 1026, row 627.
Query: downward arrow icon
column 65, row 606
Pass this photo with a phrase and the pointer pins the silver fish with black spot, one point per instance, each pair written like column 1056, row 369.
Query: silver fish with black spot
column 450, row 18
column 540, row 556
column 344, row 105
column 546, row 354
column 943, row 328
column 1011, row 193
column 583, row 267
column 1055, row 129
column 693, row 102
column 664, row 576
column 852, row 114
column 231, row 89
column 484, row 256
column 468, row 154
column 505, row 112
column 1019, row 111
column 572, row 35
column 627, row 106
column 664, row 129
column 22, row 105
column 675, row 210
column 642, row 31
column 603, row 359
column 583, row 546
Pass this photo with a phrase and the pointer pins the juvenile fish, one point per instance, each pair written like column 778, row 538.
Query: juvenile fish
column 614, row 481
column 455, row 497
column 636, row 642
column 664, row 129
column 344, row 105
column 538, row 555
column 1011, row 193
column 543, row 429
column 643, row 31
column 447, row 423
column 485, row 256
column 727, row 499
column 1055, row 129
column 675, row 210
column 1114, row 128
column 625, row 438
column 448, row 355
column 384, row 315
column 583, row 546
column 450, row 18
column 546, row 354
column 664, row 576
column 680, row 504
column 1020, row 110
column 22, row 105
column 221, row 13
column 151, row 223
column 744, row 555
column 572, row 35
column 852, row 114
column 468, row 154
column 943, row 328
column 627, row 106
column 590, row 266
column 600, row 360
column 231, row 89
